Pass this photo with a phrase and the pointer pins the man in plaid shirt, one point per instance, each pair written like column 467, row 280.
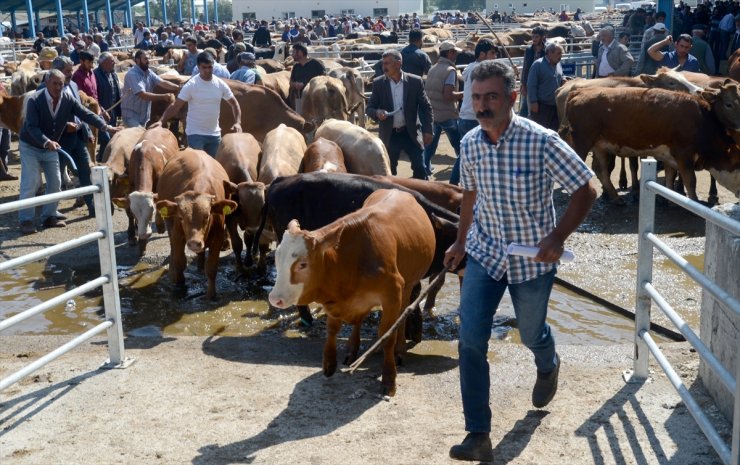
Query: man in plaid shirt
column 509, row 166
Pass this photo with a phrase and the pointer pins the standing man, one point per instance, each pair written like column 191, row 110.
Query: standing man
column 48, row 113
column 441, row 87
column 190, row 57
column 246, row 72
column 398, row 100
column 701, row 49
column 261, row 36
column 138, row 86
column 508, row 171
column 415, row 60
column 680, row 57
column 84, row 76
column 203, row 94
column 645, row 64
column 304, row 70
column 544, row 79
column 533, row 52
column 4, row 146
column 485, row 49
column 614, row 59
column 109, row 92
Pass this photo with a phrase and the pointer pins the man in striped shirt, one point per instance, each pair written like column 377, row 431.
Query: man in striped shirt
column 509, row 166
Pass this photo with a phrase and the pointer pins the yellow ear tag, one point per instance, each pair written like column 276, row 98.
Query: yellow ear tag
column 163, row 212
column 227, row 210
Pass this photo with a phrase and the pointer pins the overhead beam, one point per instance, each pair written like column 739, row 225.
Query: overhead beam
column 86, row 12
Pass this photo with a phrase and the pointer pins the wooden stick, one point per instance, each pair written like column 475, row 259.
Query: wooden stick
column 506, row 52
column 398, row 322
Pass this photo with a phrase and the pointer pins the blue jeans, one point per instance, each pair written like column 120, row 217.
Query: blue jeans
column 34, row 161
column 464, row 126
column 453, row 134
column 207, row 143
column 479, row 300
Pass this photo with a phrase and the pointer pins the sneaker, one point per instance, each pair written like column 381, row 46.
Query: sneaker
column 54, row 222
column 60, row 215
column 476, row 447
column 27, row 227
column 546, row 386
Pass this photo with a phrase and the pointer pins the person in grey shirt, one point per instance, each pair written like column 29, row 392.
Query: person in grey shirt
column 545, row 76
column 138, row 92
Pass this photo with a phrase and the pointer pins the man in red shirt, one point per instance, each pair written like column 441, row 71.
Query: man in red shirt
column 84, row 76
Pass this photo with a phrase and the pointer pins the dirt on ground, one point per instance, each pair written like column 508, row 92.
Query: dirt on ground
column 210, row 399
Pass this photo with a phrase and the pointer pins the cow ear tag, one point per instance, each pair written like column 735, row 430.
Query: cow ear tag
column 227, row 210
column 163, row 212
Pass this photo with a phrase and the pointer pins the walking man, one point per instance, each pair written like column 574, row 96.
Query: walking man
column 532, row 53
column 397, row 101
column 509, row 167
column 203, row 94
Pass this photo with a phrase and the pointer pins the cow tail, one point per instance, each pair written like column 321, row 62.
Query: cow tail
column 263, row 220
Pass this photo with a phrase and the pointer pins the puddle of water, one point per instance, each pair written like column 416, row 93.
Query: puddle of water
column 149, row 308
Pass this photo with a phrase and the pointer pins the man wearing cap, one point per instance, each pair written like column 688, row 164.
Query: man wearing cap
column 441, row 87
column 614, row 59
column 680, row 57
column 246, row 73
column 138, row 91
column 109, row 92
column 544, row 79
column 650, row 31
column 75, row 55
column 398, row 101
column 645, row 64
column 203, row 94
column 233, row 64
column 46, row 56
column 701, row 49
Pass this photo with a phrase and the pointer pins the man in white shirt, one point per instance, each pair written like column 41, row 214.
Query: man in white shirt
column 203, row 94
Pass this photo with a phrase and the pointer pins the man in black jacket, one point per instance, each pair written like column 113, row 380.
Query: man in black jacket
column 49, row 111
column 261, row 36
column 109, row 93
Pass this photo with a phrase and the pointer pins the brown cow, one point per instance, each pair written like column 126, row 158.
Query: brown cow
column 282, row 153
column 148, row 157
column 324, row 156
column 239, row 154
column 279, row 82
column 364, row 152
column 354, row 88
column 193, row 190
column 684, row 131
column 734, row 65
column 324, row 97
column 372, row 257
column 446, row 195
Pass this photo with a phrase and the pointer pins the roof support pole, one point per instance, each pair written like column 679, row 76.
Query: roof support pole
column 129, row 14
column 667, row 7
column 79, row 22
column 193, row 16
column 60, row 19
column 215, row 11
column 205, row 10
column 148, row 14
column 97, row 17
column 109, row 14
column 86, row 12
column 164, row 12
column 31, row 21
column 13, row 23
column 179, row 11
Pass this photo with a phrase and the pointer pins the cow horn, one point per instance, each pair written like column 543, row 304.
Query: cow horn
column 294, row 227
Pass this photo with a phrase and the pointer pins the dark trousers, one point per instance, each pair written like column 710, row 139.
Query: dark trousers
column 547, row 116
column 104, row 139
column 76, row 147
column 401, row 141
column 4, row 145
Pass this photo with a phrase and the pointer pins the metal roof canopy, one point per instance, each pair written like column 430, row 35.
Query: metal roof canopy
column 55, row 6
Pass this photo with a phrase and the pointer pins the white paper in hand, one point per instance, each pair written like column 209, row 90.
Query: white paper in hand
column 391, row 113
column 531, row 252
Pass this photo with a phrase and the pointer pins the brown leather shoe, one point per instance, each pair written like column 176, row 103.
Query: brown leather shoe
column 27, row 227
column 54, row 222
column 476, row 447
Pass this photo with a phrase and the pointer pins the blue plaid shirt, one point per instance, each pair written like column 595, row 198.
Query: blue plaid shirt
column 514, row 180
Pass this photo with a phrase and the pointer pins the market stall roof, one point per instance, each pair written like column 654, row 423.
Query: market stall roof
column 67, row 5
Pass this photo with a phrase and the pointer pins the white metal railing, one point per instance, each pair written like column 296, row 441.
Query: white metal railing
column 647, row 294
column 108, row 278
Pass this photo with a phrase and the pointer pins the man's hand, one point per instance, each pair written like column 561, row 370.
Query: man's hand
column 668, row 39
column 454, row 255
column 51, row 145
column 534, row 107
column 169, row 98
column 114, row 129
column 236, row 128
column 382, row 115
column 551, row 248
column 427, row 138
column 105, row 115
column 71, row 127
column 298, row 85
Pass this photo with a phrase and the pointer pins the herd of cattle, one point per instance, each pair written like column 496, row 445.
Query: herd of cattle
column 351, row 237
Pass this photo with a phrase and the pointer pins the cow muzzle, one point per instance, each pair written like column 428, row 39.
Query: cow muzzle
column 196, row 246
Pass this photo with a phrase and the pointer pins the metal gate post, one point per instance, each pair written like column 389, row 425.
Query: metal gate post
column 108, row 268
column 644, row 270
column 736, row 420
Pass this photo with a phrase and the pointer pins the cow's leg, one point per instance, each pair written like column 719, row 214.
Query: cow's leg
column 601, row 165
column 622, row 174
column 248, row 240
column 713, row 198
column 142, row 246
column 353, row 345
column 688, row 175
column 236, row 241
column 178, row 262
column 131, row 231
column 634, row 168
column 200, row 261
column 214, row 248
column 392, row 307
column 431, row 299
column 333, row 325
column 305, row 314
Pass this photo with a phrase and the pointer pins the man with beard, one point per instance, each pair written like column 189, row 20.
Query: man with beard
column 509, row 166
column 138, row 92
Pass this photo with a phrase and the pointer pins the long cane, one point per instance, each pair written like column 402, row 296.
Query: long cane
column 506, row 52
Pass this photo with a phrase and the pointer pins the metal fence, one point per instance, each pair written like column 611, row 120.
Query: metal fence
column 108, row 278
column 647, row 294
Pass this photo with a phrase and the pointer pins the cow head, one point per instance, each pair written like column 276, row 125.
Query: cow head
column 292, row 267
column 142, row 207
column 251, row 197
column 725, row 103
column 670, row 79
column 194, row 212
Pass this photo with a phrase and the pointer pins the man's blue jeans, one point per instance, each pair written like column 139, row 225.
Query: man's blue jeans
column 479, row 300
column 209, row 144
column 464, row 126
column 34, row 161
column 453, row 134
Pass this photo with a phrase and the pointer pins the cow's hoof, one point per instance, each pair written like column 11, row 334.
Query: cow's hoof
column 132, row 241
column 142, row 248
column 399, row 360
column 330, row 368
column 180, row 291
column 622, row 185
column 350, row 359
column 712, row 200
column 389, row 390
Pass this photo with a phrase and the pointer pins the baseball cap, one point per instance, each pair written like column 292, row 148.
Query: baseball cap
column 47, row 54
column 240, row 47
column 246, row 56
column 659, row 27
column 449, row 45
